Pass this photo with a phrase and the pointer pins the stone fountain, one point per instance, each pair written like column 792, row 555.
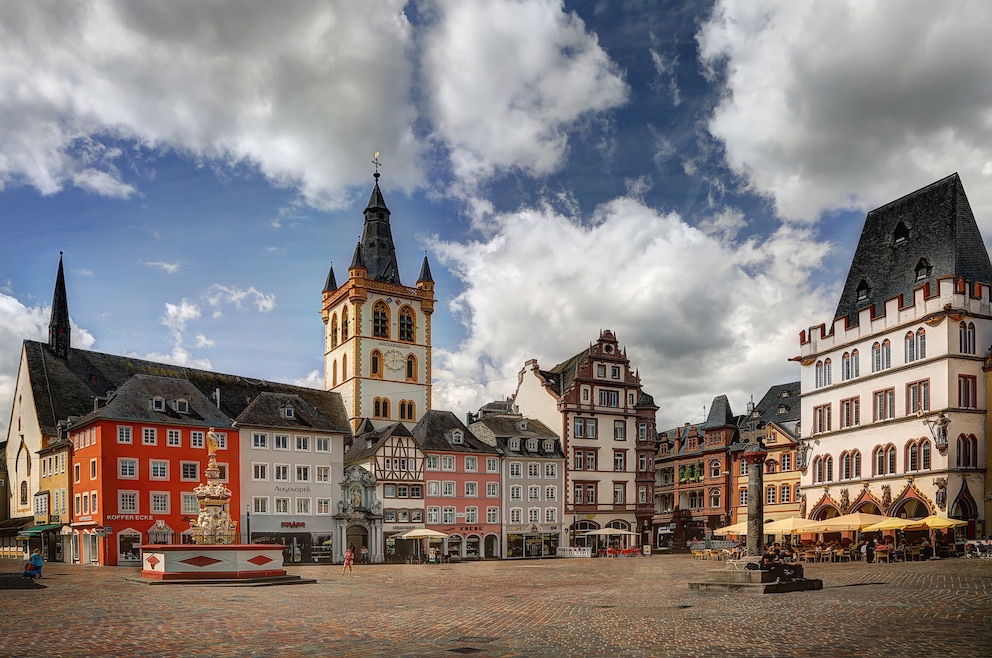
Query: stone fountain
column 214, row 558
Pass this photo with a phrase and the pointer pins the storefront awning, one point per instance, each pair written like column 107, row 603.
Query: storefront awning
column 36, row 530
column 13, row 526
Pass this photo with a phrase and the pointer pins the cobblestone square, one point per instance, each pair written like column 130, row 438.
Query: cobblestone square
column 601, row 607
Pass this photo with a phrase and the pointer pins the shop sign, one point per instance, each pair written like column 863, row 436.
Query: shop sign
column 294, row 524
column 470, row 528
column 130, row 517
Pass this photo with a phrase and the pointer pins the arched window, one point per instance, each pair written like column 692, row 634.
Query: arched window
column 845, row 466
column 966, row 337
column 921, row 343
column 925, row 454
column 828, row 373
column 912, row 456
column 344, row 367
column 376, row 364
column 886, row 354
column 407, row 326
column 380, row 408
column 879, row 459
column 828, row 468
column 818, row 469
column 856, row 463
column 855, row 364
column 407, row 410
column 845, row 367
column 967, row 451
column 334, row 331
column 715, row 468
column 876, row 357
column 411, row 368
column 344, row 324
column 820, row 378
column 380, row 320
column 910, row 346
column 972, row 451
column 890, row 456
column 334, row 372
column 715, row 498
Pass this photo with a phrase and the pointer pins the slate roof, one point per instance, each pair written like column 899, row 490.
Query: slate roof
column 133, row 402
column 367, row 443
column 505, row 427
column 772, row 400
column 720, row 414
column 378, row 254
column 563, row 375
column 434, row 429
column 67, row 387
column 940, row 228
column 268, row 410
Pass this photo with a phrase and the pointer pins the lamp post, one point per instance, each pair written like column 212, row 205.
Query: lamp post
column 248, row 523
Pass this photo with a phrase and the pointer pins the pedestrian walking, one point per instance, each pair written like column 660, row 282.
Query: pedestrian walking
column 37, row 561
column 349, row 559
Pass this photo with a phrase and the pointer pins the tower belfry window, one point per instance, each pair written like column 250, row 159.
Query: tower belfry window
column 863, row 290
column 923, row 269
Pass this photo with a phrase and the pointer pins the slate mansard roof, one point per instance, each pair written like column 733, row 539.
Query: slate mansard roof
column 931, row 231
column 433, row 432
column 64, row 388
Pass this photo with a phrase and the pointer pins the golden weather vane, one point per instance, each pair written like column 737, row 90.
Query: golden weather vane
column 375, row 161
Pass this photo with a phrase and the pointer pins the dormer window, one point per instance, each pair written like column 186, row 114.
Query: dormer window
column 549, row 445
column 457, row 437
column 755, row 413
column 923, row 269
column 784, row 394
column 900, row 234
column 532, row 445
column 158, row 404
column 182, row 406
column 287, row 412
column 783, row 409
column 522, row 426
column 515, row 444
column 863, row 290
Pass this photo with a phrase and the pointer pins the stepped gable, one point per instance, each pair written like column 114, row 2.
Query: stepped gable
column 912, row 241
column 67, row 387
column 433, row 432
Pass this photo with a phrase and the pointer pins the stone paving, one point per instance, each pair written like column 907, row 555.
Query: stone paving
column 601, row 607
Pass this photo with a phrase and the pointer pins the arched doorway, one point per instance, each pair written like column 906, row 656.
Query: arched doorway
column 492, row 546
column 357, row 536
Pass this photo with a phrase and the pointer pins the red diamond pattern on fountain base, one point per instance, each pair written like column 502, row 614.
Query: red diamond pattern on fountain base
column 201, row 561
column 152, row 561
column 259, row 560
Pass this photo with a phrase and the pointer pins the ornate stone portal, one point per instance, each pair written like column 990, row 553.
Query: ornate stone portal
column 213, row 525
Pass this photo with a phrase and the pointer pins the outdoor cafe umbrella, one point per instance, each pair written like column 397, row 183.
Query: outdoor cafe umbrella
column 892, row 523
column 935, row 522
column 739, row 528
column 788, row 526
column 854, row 521
column 421, row 533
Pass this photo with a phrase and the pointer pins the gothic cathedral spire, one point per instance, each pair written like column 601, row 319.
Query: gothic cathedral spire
column 58, row 325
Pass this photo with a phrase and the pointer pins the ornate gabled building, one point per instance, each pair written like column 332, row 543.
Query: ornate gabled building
column 377, row 331
column 395, row 464
column 693, row 477
column 595, row 402
column 894, row 397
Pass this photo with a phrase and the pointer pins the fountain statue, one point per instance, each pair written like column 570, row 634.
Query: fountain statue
column 213, row 525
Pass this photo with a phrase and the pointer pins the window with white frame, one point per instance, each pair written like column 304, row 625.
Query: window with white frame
column 127, row 502
column 149, row 436
column 770, row 494
column 93, row 468
column 260, row 441
column 918, row 396
column 619, row 493
column 492, row 515
column 190, row 505
column 280, row 442
column 448, row 515
column 196, row 439
column 492, row 489
column 492, row 464
column 260, row 504
column 159, row 469
column 448, row 489
column 127, row 468
column 619, row 461
column 608, row 398
column 471, row 489
column 280, row 472
column 322, row 444
column 533, row 514
column 885, row 404
column 533, row 470
column 434, row 515
column 124, row 434
column 550, row 492
column 742, row 497
column 516, row 492
column 302, row 473
column 447, row 462
column 259, row 472
column 471, row 464
column 433, row 488
column 533, row 492
column 471, row 515
column 850, row 412
column 821, row 419
column 303, row 506
column 516, row 469
column 323, row 474
column 516, row 515
column 550, row 470
column 432, row 462
column 281, row 505
column 303, row 444
column 173, row 438
column 160, row 502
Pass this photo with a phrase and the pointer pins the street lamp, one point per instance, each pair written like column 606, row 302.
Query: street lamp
column 938, row 429
column 248, row 523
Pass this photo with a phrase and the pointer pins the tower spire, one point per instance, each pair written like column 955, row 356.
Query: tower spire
column 58, row 324
column 378, row 251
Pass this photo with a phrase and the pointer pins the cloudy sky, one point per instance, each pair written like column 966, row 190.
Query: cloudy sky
column 691, row 175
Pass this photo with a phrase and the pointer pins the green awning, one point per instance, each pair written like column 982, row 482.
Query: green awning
column 36, row 530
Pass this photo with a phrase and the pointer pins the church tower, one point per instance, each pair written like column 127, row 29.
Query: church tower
column 377, row 331
column 58, row 324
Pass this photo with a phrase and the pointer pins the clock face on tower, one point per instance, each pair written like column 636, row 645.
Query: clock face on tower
column 393, row 359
